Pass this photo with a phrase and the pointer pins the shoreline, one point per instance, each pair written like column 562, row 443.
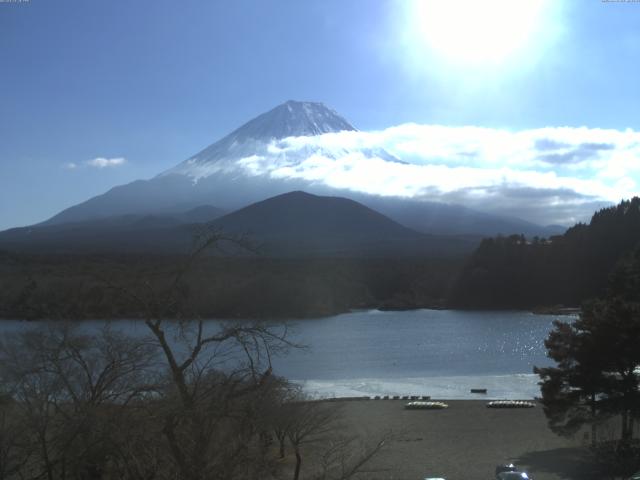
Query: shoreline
column 516, row 386
column 564, row 311
column 419, row 398
column 466, row 440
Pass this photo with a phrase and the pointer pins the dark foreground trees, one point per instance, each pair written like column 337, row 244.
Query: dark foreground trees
column 104, row 405
column 176, row 399
column 72, row 396
column 597, row 375
column 596, row 380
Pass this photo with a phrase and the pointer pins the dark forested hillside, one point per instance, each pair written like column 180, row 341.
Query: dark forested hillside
column 83, row 286
column 512, row 272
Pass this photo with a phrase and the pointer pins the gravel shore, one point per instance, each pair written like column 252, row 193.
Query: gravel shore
column 466, row 441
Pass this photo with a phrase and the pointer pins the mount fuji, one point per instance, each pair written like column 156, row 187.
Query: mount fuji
column 243, row 168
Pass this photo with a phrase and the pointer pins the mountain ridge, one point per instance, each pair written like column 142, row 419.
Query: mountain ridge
column 294, row 224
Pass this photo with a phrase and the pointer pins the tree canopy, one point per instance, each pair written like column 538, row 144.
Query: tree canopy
column 514, row 272
column 597, row 372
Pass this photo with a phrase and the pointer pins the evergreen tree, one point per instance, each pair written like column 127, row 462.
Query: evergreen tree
column 509, row 272
column 597, row 372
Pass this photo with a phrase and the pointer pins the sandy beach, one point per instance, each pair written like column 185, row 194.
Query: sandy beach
column 466, row 441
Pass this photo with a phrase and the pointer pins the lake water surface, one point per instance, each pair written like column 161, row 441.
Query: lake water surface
column 442, row 353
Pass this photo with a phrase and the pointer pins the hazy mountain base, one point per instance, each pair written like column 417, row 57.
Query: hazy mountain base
column 86, row 287
column 295, row 224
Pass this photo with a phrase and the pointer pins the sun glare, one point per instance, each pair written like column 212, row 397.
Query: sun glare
column 476, row 31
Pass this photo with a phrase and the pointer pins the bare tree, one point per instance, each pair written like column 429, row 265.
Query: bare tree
column 346, row 457
column 214, row 372
column 310, row 422
column 70, row 390
column 278, row 414
column 15, row 449
column 317, row 430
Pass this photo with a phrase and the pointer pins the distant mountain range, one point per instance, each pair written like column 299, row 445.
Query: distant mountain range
column 289, row 225
column 159, row 213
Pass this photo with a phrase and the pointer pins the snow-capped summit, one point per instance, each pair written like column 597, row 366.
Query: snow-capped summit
column 291, row 119
column 260, row 140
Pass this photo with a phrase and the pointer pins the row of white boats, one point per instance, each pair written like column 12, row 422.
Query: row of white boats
column 418, row 405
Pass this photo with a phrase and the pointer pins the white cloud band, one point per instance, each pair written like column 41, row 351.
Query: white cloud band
column 548, row 175
column 101, row 162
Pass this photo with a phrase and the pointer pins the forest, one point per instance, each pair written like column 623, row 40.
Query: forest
column 83, row 287
column 516, row 272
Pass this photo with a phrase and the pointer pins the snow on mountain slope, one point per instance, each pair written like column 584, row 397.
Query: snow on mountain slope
column 261, row 145
column 255, row 139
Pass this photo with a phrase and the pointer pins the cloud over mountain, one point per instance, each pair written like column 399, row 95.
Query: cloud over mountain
column 553, row 175
column 566, row 171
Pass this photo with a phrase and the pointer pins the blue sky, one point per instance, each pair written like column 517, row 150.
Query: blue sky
column 95, row 94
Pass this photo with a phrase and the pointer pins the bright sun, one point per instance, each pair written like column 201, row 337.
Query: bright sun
column 476, row 31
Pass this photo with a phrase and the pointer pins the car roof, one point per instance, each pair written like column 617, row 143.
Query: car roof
column 513, row 476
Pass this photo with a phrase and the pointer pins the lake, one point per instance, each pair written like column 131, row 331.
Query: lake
column 442, row 353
